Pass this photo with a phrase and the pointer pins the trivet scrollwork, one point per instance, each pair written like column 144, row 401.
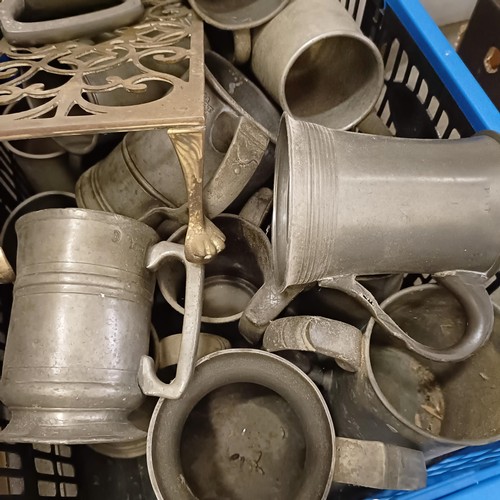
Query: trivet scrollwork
column 84, row 87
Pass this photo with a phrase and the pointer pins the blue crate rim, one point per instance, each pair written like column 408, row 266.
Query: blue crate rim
column 456, row 77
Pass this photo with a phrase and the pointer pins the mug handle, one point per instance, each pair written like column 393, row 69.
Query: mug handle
column 248, row 146
column 329, row 337
column 7, row 274
column 242, row 40
column 149, row 382
column 267, row 303
column 66, row 28
column 374, row 464
column 467, row 287
column 257, row 208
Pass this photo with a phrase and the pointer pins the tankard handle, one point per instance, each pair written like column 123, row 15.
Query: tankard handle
column 374, row 464
column 242, row 159
column 149, row 382
column 332, row 338
column 467, row 287
column 257, row 208
column 66, row 28
column 265, row 305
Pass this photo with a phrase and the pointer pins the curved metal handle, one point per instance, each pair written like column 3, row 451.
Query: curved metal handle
column 329, row 337
column 265, row 306
column 149, row 383
column 66, row 28
column 468, row 287
column 374, row 464
column 247, row 148
column 258, row 206
column 242, row 40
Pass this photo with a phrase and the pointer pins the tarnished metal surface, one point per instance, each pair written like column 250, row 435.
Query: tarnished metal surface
column 318, row 41
column 379, row 465
column 404, row 399
column 287, row 449
column 143, row 174
column 207, row 344
column 40, row 201
column 434, row 223
column 64, row 27
column 149, row 382
column 80, row 324
column 232, row 279
column 314, row 334
column 230, row 15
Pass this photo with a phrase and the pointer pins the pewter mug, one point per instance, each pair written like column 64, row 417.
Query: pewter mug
column 287, row 449
column 429, row 207
column 402, row 398
column 239, row 271
column 142, row 177
column 230, row 280
column 316, row 63
column 80, row 324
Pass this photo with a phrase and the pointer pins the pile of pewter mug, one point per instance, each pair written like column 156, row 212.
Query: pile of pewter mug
column 324, row 370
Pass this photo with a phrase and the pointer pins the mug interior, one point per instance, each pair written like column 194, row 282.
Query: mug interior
column 247, row 95
column 231, row 280
column 241, row 441
column 455, row 401
column 326, row 87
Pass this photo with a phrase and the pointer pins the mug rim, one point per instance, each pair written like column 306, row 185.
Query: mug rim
column 380, row 394
column 227, row 367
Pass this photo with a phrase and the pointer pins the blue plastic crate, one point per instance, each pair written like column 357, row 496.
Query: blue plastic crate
column 471, row 473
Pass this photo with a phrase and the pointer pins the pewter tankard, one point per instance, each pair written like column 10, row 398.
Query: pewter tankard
column 404, row 205
column 80, row 324
column 394, row 394
column 253, row 425
column 316, row 63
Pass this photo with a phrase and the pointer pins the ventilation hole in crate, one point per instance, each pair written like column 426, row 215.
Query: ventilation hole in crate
column 47, row 489
column 44, row 466
column 392, row 56
column 414, row 79
column 443, row 125
column 11, row 486
column 432, row 106
column 46, row 448
column 423, row 91
column 454, row 134
column 65, row 470
column 401, row 72
column 63, row 450
column 68, row 490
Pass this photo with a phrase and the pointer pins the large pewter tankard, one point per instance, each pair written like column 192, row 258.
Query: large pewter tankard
column 350, row 204
column 79, row 332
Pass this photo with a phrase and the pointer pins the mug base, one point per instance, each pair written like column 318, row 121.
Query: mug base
column 69, row 427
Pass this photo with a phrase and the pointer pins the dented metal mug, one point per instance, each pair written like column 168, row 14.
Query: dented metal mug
column 428, row 207
column 316, row 63
column 253, row 425
column 80, row 324
column 142, row 177
column 394, row 394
